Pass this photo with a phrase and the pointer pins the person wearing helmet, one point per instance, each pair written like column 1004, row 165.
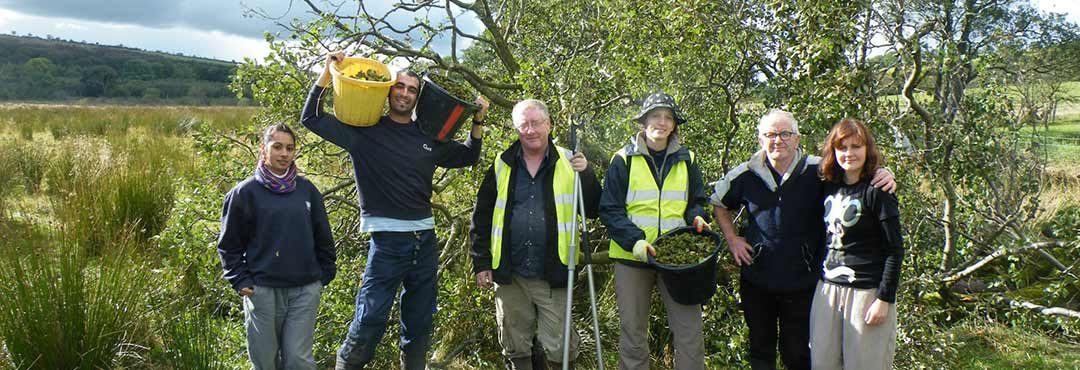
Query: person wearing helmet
column 652, row 185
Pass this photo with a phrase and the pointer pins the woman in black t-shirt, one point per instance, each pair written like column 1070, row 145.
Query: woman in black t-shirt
column 853, row 316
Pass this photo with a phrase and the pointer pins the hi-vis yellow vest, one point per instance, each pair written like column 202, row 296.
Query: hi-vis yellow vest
column 653, row 209
column 563, row 190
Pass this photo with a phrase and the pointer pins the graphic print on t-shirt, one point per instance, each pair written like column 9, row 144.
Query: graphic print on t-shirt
column 842, row 211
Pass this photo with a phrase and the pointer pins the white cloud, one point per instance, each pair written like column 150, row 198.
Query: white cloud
column 7, row 17
column 204, row 23
column 186, row 40
column 70, row 26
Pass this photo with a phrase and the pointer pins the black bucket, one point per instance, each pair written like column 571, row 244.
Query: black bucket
column 440, row 114
column 689, row 284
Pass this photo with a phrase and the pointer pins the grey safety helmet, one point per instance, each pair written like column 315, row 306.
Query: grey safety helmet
column 660, row 100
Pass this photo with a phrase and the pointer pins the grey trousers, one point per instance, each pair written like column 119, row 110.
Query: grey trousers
column 633, row 293
column 839, row 336
column 280, row 326
column 528, row 307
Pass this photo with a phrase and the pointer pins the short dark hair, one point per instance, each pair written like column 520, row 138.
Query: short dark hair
column 408, row 72
column 268, row 132
column 830, row 169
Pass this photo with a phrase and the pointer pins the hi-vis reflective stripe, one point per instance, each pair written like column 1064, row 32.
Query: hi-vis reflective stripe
column 656, row 223
column 640, row 195
column 564, row 199
column 652, row 207
column 563, row 191
column 673, row 195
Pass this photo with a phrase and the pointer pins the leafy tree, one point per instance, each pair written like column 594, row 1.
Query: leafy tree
column 969, row 180
column 97, row 80
column 137, row 69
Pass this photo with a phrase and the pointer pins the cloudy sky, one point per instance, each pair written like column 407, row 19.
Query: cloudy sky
column 209, row 28
column 221, row 29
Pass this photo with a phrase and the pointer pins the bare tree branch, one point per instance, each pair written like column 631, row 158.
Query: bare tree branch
column 993, row 256
column 1049, row 311
column 339, row 186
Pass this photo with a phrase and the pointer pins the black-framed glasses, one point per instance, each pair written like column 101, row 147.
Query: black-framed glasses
column 783, row 135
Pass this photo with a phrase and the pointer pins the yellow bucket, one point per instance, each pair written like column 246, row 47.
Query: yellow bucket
column 359, row 102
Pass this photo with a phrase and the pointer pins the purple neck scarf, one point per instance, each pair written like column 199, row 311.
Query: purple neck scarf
column 276, row 185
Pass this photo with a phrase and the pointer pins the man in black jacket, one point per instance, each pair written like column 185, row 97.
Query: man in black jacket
column 521, row 230
column 780, row 250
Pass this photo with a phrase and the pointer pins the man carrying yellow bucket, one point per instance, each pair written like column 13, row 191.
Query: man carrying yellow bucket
column 393, row 163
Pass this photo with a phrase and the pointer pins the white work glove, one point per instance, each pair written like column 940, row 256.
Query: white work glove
column 700, row 224
column 642, row 249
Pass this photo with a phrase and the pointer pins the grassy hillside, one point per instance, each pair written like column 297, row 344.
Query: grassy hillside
column 36, row 69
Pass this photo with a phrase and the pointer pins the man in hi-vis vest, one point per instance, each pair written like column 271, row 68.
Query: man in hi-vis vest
column 521, row 230
column 652, row 185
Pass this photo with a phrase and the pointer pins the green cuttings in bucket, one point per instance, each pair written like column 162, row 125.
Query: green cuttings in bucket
column 455, row 88
column 684, row 249
column 370, row 75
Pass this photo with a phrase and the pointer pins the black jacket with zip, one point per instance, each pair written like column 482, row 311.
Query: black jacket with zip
column 613, row 199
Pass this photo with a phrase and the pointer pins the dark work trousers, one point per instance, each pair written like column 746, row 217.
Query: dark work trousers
column 395, row 259
column 763, row 311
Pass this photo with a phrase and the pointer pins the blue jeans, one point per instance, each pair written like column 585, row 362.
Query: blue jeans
column 395, row 259
column 280, row 326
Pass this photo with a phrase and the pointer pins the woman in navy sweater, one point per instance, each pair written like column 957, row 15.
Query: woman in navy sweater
column 277, row 251
column 853, row 317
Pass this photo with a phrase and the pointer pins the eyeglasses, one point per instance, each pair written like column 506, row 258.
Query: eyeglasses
column 535, row 125
column 783, row 135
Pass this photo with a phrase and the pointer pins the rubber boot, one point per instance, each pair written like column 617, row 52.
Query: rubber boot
column 412, row 363
column 340, row 364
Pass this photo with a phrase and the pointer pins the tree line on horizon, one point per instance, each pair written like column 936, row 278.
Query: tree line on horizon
column 35, row 69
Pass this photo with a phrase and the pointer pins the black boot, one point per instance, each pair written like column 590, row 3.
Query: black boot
column 340, row 364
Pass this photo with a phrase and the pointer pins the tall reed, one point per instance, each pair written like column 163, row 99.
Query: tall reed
column 103, row 192
column 61, row 309
column 192, row 340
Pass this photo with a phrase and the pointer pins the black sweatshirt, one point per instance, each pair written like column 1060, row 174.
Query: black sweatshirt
column 275, row 240
column 864, row 239
column 393, row 163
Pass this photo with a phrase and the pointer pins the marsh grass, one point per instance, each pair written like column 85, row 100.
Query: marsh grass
column 101, row 190
column 27, row 163
column 86, row 193
column 63, row 121
column 193, row 340
column 62, row 309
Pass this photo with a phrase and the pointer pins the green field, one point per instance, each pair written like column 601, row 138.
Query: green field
column 1061, row 141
